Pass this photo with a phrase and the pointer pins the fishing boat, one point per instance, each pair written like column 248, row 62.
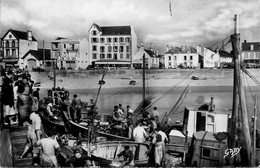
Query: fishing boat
column 75, row 129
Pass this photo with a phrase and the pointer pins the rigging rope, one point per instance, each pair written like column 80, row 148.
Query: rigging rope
column 173, row 88
column 252, row 94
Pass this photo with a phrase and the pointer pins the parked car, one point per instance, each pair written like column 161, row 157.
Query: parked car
column 63, row 68
column 39, row 69
column 69, row 68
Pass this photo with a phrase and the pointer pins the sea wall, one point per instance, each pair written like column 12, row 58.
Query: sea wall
column 156, row 73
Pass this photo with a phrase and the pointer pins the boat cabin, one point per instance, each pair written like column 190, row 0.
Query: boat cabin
column 207, row 150
column 204, row 118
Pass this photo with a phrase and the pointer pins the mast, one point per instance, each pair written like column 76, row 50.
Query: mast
column 144, row 66
column 241, row 93
column 43, row 55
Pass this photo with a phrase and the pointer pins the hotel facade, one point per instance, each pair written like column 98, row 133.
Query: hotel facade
column 112, row 46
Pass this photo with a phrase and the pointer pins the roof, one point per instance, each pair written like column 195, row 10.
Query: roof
column 19, row 34
column 116, row 30
column 225, row 54
column 173, row 50
column 150, row 53
column 97, row 26
column 60, row 38
column 208, row 136
column 38, row 54
column 246, row 46
column 180, row 50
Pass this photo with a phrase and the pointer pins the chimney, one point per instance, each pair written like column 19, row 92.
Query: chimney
column 141, row 45
column 212, row 106
column 167, row 48
column 157, row 52
column 29, row 35
column 244, row 41
column 151, row 47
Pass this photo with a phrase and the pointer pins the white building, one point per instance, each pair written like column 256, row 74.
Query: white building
column 210, row 58
column 37, row 58
column 15, row 45
column 151, row 58
column 251, row 53
column 70, row 53
column 184, row 57
column 112, row 46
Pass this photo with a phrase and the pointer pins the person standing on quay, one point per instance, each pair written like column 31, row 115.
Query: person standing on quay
column 76, row 104
column 24, row 107
column 157, row 141
column 8, row 97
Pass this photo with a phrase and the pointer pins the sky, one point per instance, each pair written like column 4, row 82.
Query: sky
column 188, row 23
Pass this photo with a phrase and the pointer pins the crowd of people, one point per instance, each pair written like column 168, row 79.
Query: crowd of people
column 144, row 129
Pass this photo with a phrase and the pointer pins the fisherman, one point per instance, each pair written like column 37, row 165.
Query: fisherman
column 57, row 100
column 31, row 141
column 119, row 111
column 121, row 108
column 128, row 157
column 139, row 133
column 49, row 146
column 155, row 114
column 128, row 111
column 76, row 104
column 36, row 93
column 79, row 159
column 158, row 153
column 130, row 121
column 34, row 116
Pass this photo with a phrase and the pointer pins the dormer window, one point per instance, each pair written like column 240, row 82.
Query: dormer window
column 94, row 32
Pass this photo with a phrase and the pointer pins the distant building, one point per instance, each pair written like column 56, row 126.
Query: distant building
column 225, row 58
column 209, row 58
column 37, row 58
column 111, row 46
column 183, row 57
column 151, row 58
column 70, row 53
column 251, row 53
column 15, row 45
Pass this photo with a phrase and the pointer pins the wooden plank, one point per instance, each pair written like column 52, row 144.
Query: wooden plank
column 5, row 146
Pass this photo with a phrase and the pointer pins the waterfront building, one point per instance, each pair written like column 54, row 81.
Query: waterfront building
column 70, row 53
column 111, row 46
column 251, row 54
column 182, row 57
column 38, row 58
column 151, row 58
column 208, row 57
column 226, row 59
column 15, row 44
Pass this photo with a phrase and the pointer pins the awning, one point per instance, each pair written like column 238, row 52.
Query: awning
column 10, row 60
column 104, row 63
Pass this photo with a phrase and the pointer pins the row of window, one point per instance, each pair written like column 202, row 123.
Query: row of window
column 110, row 40
column 9, row 52
column 185, row 58
column 10, row 43
column 184, row 64
column 112, row 48
column 251, row 55
column 155, row 61
column 109, row 56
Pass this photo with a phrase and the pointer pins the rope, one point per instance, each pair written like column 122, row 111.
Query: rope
column 220, row 41
column 251, row 93
column 173, row 88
